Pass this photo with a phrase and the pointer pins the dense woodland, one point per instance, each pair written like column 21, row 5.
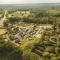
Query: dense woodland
column 30, row 34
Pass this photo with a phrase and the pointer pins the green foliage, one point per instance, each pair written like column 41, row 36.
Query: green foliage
column 49, row 46
column 11, row 21
column 19, row 41
column 9, row 51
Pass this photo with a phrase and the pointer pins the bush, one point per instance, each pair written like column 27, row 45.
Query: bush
column 9, row 51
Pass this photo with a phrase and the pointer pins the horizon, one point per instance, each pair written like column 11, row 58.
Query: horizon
column 30, row 3
column 27, row 1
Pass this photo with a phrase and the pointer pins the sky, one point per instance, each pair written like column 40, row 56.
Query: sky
column 27, row 1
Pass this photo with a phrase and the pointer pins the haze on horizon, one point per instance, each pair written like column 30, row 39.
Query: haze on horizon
column 27, row 1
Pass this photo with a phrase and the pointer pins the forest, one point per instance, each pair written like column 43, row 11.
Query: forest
column 30, row 34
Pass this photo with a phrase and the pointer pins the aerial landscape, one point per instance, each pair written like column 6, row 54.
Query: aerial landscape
column 30, row 31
